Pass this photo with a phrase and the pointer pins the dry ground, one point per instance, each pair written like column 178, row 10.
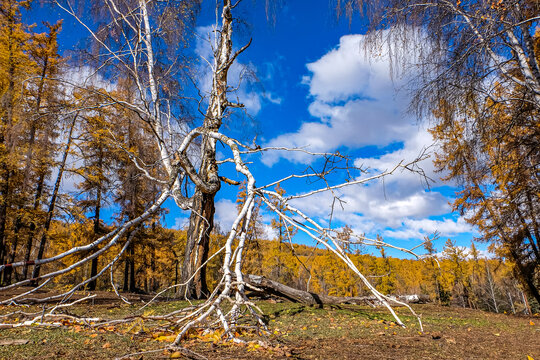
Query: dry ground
column 296, row 331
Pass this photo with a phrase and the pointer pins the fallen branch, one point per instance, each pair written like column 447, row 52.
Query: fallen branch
column 270, row 287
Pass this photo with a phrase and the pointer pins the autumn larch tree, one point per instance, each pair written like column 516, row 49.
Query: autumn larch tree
column 476, row 75
column 44, row 101
column 15, row 67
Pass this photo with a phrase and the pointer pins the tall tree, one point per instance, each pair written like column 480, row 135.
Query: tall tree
column 478, row 71
column 99, row 159
column 433, row 267
column 135, row 193
column 15, row 66
column 44, row 102
column 457, row 257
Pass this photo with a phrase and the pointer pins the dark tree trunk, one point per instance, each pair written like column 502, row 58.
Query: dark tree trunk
column 32, row 227
column 8, row 272
column 132, row 283
column 125, row 287
column 129, row 270
column 4, row 193
column 201, row 223
column 526, row 273
column 153, row 283
column 97, row 231
column 52, row 203
column 28, row 166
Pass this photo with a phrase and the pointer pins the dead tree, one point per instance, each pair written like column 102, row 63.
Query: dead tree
column 177, row 146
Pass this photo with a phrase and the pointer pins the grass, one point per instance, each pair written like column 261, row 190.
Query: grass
column 296, row 331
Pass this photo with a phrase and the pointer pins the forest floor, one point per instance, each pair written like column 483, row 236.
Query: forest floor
column 295, row 331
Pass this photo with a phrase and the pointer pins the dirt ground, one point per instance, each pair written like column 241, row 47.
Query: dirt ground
column 295, row 331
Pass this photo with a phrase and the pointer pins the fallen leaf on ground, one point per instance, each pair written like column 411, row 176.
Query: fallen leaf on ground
column 106, row 345
column 168, row 338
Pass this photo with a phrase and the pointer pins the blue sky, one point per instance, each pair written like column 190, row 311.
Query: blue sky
column 317, row 88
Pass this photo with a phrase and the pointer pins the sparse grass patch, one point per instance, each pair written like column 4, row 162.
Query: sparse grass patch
column 295, row 331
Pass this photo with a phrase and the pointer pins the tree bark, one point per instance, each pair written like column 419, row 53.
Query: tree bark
column 32, row 228
column 286, row 292
column 132, row 283
column 201, row 223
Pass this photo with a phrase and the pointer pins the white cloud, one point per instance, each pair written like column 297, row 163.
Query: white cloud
column 273, row 98
column 181, row 222
column 269, row 232
column 355, row 101
column 85, row 76
column 226, row 213
column 482, row 254
column 344, row 73
column 417, row 229
column 367, row 208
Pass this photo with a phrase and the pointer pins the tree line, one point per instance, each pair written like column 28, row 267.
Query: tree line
column 457, row 276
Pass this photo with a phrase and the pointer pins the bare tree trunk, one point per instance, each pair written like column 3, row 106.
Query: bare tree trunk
column 32, row 229
column 491, row 287
column 201, row 223
column 526, row 303
column 511, row 303
column 275, row 288
column 132, row 283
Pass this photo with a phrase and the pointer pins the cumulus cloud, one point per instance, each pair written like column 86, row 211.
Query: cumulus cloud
column 269, row 232
column 354, row 101
column 226, row 213
column 418, row 228
column 354, row 104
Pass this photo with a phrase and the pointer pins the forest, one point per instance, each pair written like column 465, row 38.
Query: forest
column 141, row 116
